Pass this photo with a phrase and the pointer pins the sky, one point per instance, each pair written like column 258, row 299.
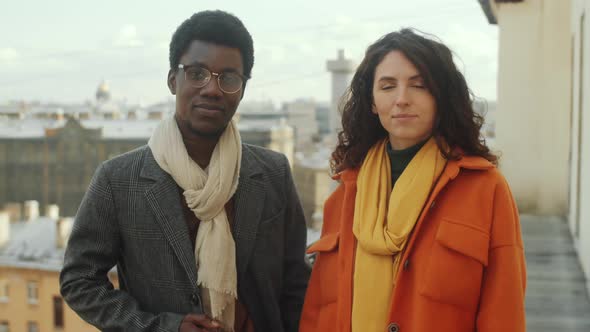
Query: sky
column 61, row 50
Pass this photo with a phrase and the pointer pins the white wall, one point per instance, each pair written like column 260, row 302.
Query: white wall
column 533, row 116
column 579, row 208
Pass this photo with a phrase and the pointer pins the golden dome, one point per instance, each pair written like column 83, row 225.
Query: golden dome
column 103, row 92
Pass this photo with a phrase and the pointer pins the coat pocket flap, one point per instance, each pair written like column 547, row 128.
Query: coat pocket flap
column 327, row 242
column 465, row 239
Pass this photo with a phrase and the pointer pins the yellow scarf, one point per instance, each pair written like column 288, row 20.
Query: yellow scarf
column 383, row 220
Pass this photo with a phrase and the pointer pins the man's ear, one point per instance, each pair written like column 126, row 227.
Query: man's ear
column 172, row 81
column 243, row 91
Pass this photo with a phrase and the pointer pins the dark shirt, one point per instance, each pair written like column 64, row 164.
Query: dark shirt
column 243, row 323
column 400, row 159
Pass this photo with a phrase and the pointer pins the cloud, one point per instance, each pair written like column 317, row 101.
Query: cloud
column 128, row 37
column 341, row 24
column 8, row 56
column 475, row 43
column 273, row 54
column 476, row 55
column 163, row 45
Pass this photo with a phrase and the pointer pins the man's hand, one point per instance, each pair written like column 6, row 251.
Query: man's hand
column 199, row 323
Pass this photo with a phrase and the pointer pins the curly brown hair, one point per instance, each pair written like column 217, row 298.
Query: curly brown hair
column 456, row 126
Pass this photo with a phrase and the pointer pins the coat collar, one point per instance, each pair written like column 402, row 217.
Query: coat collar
column 150, row 168
column 164, row 199
column 451, row 170
column 474, row 163
column 249, row 202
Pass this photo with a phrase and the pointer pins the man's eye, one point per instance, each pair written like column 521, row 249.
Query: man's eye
column 197, row 74
column 230, row 78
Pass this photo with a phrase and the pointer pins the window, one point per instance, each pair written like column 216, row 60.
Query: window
column 4, row 294
column 32, row 292
column 58, row 312
column 32, row 327
column 4, row 327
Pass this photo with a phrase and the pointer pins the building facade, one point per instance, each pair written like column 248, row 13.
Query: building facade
column 301, row 114
column 542, row 120
column 52, row 161
column 532, row 120
column 31, row 256
column 311, row 174
column 54, row 164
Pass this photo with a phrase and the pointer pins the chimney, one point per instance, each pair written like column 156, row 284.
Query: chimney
column 63, row 230
column 31, row 210
column 52, row 211
column 4, row 228
column 14, row 211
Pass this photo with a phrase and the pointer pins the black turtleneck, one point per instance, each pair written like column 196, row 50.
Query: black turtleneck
column 400, row 159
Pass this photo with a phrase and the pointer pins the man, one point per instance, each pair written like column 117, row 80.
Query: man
column 207, row 233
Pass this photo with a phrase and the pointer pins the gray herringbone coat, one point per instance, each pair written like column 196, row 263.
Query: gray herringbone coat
column 131, row 217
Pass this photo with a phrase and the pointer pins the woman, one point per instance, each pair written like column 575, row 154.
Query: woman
column 423, row 233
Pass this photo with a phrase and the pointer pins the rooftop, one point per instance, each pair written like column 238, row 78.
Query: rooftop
column 33, row 245
column 140, row 129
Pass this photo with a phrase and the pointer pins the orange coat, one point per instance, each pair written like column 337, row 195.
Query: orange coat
column 463, row 269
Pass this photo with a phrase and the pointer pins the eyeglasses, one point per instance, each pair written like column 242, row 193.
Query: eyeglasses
column 228, row 82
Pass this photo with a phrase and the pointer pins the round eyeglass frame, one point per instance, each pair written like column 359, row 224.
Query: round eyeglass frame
column 211, row 74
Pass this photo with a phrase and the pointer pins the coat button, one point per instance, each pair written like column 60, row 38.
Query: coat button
column 393, row 327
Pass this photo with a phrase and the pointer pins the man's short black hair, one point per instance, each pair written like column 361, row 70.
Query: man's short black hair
column 217, row 27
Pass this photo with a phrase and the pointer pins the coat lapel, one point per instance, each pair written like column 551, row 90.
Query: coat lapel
column 249, row 201
column 164, row 200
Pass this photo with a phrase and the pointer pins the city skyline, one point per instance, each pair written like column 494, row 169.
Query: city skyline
column 77, row 47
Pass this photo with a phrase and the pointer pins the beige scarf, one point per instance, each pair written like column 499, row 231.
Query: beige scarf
column 383, row 220
column 206, row 194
